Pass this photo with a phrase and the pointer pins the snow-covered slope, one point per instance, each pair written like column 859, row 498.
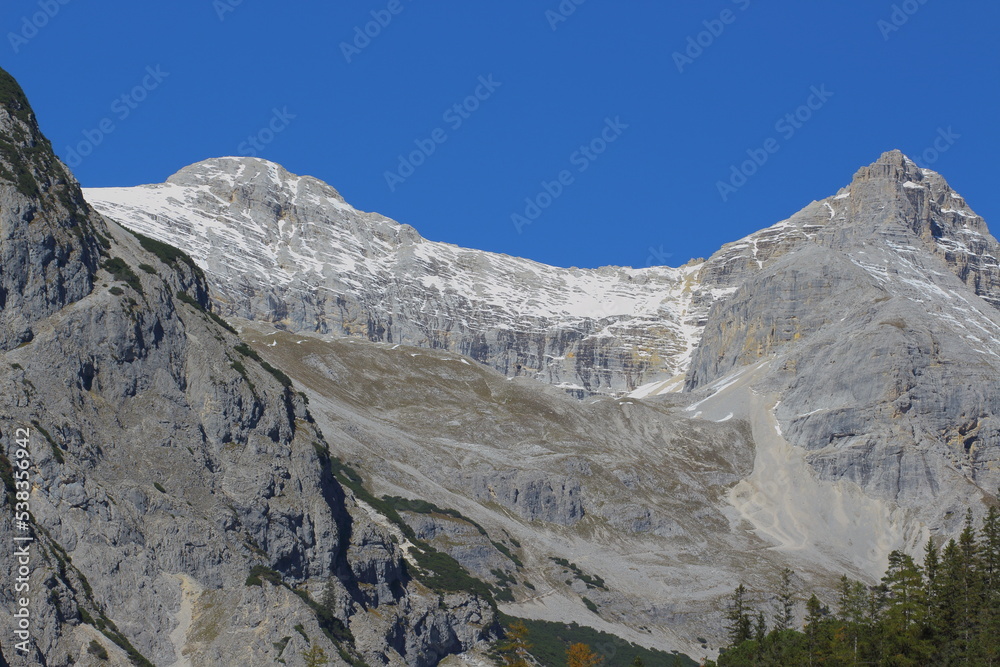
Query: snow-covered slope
column 289, row 250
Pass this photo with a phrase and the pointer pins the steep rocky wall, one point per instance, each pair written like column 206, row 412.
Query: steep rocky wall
column 167, row 462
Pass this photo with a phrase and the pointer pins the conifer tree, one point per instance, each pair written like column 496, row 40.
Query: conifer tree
column 786, row 602
column 816, row 613
column 739, row 624
column 581, row 655
column 990, row 625
column 514, row 648
column 906, row 611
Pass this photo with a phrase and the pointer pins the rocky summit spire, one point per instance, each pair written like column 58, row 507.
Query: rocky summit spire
column 892, row 166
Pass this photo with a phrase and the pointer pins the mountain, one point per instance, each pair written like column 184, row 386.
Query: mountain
column 386, row 441
column 168, row 499
column 880, row 338
column 812, row 396
column 289, row 250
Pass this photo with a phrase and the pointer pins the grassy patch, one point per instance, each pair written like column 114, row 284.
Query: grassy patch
column 165, row 252
column 95, row 649
column 261, row 573
column 591, row 581
column 122, row 272
column 438, row 571
column 221, row 322
column 248, row 351
column 56, row 451
column 190, row 300
column 7, row 476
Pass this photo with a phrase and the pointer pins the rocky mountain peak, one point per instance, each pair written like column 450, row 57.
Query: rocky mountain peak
column 892, row 166
column 229, row 175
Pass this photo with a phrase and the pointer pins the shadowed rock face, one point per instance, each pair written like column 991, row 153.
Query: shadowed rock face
column 165, row 463
column 49, row 250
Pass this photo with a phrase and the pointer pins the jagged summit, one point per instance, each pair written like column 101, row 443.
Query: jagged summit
column 894, row 165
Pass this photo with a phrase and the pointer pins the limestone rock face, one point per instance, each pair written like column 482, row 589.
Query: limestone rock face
column 885, row 339
column 812, row 396
column 49, row 250
column 166, row 462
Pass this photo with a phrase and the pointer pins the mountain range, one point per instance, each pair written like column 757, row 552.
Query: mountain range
column 264, row 420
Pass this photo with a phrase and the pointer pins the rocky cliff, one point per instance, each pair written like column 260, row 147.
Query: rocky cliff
column 183, row 504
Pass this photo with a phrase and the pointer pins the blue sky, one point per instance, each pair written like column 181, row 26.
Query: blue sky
column 602, row 113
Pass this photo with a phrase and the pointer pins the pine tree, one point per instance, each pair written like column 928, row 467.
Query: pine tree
column 328, row 600
column 906, row 611
column 515, row 646
column 786, row 602
column 738, row 616
column 950, row 583
column 581, row 655
column 990, row 626
column 852, row 604
column 971, row 588
column 816, row 614
column 874, row 634
column 315, row 656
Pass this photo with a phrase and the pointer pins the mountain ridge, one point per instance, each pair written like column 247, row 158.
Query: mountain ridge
column 608, row 330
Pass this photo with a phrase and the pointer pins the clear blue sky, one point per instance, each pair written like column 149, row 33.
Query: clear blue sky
column 655, row 186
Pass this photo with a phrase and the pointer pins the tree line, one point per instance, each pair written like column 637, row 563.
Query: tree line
column 943, row 612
